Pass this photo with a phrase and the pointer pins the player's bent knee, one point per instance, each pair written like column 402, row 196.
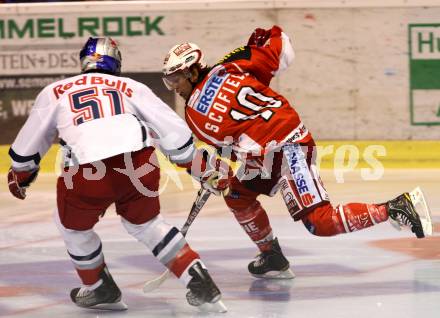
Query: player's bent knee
column 166, row 243
column 323, row 222
column 309, row 226
column 317, row 229
column 150, row 233
column 78, row 242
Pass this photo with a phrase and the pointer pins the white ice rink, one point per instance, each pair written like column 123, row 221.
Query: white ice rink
column 375, row 273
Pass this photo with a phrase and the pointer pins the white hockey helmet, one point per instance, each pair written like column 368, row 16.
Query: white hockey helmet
column 181, row 57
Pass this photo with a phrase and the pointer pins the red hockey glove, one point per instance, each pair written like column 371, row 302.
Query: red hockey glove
column 18, row 181
column 212, row 173
column 259, row 37
column 216, row 180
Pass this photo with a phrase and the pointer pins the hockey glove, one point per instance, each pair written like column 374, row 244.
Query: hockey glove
column 18, row 181
column 212, row 173
column 215, row 182
column 259, row 37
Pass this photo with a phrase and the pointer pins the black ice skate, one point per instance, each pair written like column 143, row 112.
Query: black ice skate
column 402, row 212
column 203, row 292
column 106, row 296
column 271, row 264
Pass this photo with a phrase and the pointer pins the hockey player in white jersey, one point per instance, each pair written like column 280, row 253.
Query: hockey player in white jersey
column 109, row 126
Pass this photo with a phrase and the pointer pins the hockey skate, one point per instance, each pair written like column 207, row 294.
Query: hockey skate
column 271, row 264
column 106, row 296
column 411, row 210
column 203, row 292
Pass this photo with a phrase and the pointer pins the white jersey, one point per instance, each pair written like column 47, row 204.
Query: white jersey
column 98, row 116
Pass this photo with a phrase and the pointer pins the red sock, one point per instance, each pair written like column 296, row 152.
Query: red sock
column 182, row 260
column 358, row 216
column 90, row 276
column 255, row 223
column 328, row 221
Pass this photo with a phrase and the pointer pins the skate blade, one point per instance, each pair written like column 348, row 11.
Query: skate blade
column 218, row 306
column 111, row 306
column 422, row 209
column 287, row 274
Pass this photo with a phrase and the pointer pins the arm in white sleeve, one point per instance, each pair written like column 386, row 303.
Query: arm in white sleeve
column 36, row 136
column 173, row 134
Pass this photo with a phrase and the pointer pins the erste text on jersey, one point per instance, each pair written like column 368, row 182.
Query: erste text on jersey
column 214, row 99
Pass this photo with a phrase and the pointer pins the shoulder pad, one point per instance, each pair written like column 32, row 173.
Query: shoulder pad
column 241, row 53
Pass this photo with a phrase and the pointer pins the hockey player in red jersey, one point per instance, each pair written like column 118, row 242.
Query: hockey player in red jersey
column 231, row 107
column 109, row 127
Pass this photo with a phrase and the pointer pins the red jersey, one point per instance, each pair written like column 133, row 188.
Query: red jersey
column 234, row 106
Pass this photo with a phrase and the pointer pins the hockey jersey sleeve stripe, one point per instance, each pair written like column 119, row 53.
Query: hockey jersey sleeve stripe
column 183, row 154
column 143, row 129
column 180, row 150
column 187, row 159
column 144, row 133
column 87, row 257
column 187, row 144
column 183, row 157
column 23, row 159
column 161, row 245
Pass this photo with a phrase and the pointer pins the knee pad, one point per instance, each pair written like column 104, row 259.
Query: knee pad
column 323, row 221
column 149, row 233
column 84, row 247
column 162, row 239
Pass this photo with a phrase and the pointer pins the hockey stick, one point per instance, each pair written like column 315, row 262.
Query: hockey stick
column 202, row 197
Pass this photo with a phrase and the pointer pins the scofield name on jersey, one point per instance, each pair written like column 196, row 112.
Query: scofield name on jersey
column 202, row 101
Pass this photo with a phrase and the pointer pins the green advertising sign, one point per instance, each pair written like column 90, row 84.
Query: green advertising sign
column 82, row 26
column 424, row 70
